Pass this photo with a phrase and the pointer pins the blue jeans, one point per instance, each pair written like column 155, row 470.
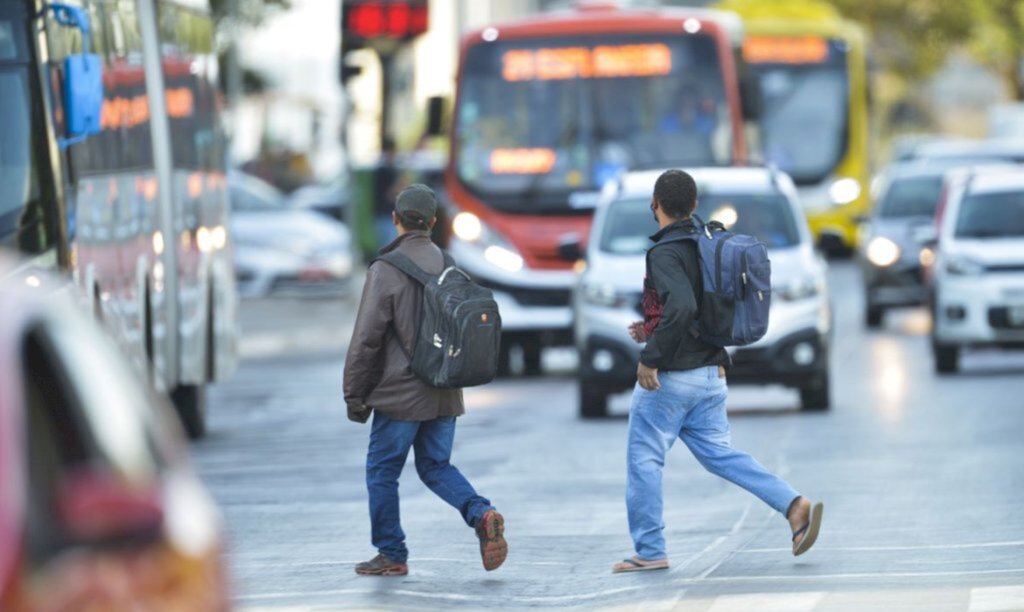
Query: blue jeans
column 690, row 405
column 390, row 441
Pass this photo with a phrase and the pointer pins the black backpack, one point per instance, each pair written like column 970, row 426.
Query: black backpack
column 460, row 328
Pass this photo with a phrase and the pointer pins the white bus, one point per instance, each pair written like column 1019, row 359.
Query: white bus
column 120, row 180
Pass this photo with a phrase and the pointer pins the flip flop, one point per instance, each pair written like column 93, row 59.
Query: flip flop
column 639, row 565
column 808, row 531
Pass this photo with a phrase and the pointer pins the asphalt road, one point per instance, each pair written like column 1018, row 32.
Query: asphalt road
column 922, row 479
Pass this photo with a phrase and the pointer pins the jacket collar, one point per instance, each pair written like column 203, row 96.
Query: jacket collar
column 684, row 226
column 414, row 235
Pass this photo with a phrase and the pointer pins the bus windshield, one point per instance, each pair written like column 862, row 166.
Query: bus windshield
column 805, row 126
column 540, row 119
column 19, row 184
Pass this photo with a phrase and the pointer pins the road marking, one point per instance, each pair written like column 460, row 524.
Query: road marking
column 996, row 599
column 444, row 596
column 1010, row 544
column 853, row 576
column 767, row 602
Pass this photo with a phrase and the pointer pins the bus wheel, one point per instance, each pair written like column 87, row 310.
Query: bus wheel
column 531, row 357
column 190, row 404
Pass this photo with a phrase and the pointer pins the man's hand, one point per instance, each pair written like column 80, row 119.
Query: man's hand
column 637, row 332
column 647, row 377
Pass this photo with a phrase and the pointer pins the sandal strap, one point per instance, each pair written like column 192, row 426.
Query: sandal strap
column 799, row 532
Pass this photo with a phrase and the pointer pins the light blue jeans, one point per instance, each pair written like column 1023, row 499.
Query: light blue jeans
column 690, row 405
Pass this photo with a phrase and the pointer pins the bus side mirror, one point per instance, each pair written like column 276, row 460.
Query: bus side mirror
column 750, row 97
column 435, row 116
column 83, row 94
column 83, row 78
column 570, row 248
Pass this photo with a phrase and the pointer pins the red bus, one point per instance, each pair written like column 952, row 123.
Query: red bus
column 550, row 108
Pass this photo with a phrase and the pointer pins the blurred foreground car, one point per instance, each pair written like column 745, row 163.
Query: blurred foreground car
column 99, row 506
column 795, row 350
column 978, row 277
column 282, row 250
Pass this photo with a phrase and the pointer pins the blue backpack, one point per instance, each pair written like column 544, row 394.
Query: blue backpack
column 737, row 288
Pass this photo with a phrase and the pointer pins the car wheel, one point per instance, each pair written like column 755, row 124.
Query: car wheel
column 947, row 358
column 593, row 400
column 816, row 396
column 190, row 403
column 873, row 316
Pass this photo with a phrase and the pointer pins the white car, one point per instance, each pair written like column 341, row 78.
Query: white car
column 978, row 276
column 281, row 250
column 757, row 201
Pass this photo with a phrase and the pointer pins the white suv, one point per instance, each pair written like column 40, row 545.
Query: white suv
column 978, row 277
column 757, row 201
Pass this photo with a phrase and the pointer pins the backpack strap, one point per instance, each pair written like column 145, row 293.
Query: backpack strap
column 406, row 265
column 409, row 267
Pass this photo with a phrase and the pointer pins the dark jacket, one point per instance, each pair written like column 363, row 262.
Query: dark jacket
column 672, row 289
column 377, row 373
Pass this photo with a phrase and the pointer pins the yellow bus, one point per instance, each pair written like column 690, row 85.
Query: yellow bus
column 811, row 64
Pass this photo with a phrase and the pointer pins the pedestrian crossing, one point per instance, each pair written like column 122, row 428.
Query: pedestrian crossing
column 981, row 599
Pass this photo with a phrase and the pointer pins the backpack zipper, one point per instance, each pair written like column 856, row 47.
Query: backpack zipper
column 718, row 261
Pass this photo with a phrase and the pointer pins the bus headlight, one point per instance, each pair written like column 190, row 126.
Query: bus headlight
column 844, row 191
column 503, row 258
column 883, row 252
column 468, row 228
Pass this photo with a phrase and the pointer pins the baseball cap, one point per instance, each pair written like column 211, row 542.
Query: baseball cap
column 417, row 199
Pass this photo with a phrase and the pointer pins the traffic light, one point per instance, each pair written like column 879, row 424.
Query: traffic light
column 400, row 20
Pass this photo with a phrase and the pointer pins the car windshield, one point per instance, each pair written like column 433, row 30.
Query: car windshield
column 768, row 217
column 991, row 215
column 805, row 125
column 911, row 197
column 253, row 195
column 19, row 181
column 540, row 119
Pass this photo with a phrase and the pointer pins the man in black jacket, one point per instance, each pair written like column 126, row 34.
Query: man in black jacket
column 407, row 413
column 681, row 391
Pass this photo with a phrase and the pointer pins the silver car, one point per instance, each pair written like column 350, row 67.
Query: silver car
column 758, row 201
column 283, row 250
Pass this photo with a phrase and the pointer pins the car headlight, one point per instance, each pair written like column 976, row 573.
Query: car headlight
column 799, row 289
column 468, row 228
column 604, row 294
column 844, row 191
column 883, row 252
column 962, row 266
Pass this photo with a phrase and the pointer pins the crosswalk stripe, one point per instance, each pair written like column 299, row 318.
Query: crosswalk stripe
column 767, row 602
column 997, row 599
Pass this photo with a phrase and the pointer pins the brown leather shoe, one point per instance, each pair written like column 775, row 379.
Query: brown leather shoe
column 381, row 565
column 493, row 547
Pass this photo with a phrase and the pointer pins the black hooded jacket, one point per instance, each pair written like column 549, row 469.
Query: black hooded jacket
column 672, row 290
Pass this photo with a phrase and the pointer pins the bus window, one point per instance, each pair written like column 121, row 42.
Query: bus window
column 24, row 224
column 550, row 116
column 805, row 127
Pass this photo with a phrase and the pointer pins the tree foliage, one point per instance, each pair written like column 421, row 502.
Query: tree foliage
column 914, row 37
column 249, row 12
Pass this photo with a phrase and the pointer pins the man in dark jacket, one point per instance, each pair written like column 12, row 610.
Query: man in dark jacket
column 408, row 413
column 681, row 391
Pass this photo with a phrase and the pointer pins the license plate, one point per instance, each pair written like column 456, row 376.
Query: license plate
column 315, row 274
column 1015, row 315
